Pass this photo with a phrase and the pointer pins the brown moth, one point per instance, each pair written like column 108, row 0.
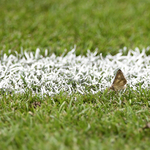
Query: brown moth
column 119, row 82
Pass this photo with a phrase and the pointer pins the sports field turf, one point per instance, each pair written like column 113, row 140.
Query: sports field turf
column 104, row 120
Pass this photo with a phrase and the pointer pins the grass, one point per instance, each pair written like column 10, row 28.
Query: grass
column 60, row 24
column 101, row 121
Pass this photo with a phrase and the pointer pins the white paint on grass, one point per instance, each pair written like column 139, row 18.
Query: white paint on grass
column 71, row 73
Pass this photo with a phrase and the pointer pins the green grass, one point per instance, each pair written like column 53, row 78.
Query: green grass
column 101, row 121
column 60, row 24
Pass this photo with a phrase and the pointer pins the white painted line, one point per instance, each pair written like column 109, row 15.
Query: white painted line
column 71, row 73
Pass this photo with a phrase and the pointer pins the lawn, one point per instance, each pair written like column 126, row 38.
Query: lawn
column 105, row 120
column 99, row 121
column 61, row 24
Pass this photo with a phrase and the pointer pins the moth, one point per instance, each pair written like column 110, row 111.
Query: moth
column 119, row 82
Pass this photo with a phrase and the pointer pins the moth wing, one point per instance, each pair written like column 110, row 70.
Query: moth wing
column 119, row 80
